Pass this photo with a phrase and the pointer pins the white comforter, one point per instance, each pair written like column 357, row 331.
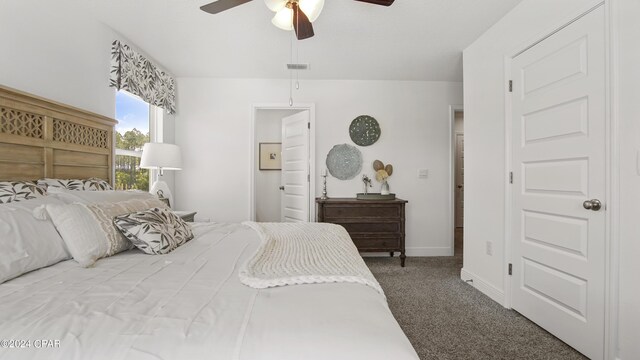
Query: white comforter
column 190, row 304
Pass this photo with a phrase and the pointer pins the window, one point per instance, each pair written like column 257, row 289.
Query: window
column 132, row 132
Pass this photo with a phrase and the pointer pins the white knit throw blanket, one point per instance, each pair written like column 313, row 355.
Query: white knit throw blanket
column 304, row 253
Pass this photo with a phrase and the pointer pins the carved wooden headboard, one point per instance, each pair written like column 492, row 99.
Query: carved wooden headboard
column 42, row 138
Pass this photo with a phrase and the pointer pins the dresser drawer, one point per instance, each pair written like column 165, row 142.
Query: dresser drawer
column 368, row 227
column 364, row 243
column 360, row 211
column 374, row 226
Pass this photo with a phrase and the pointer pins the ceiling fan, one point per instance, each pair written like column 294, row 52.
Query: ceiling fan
column 290, row 14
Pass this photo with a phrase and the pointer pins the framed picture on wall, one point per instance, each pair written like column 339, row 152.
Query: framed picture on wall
column 270, row 156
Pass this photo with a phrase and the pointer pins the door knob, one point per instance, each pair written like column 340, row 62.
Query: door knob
column 459, row 186
column 593, row 204
column 282, row 188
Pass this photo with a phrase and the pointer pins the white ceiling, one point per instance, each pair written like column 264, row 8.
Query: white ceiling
column 411, row 40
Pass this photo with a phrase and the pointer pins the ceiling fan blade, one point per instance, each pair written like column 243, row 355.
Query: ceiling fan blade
column 379, row 2
column 301, row 23
column 222, row 5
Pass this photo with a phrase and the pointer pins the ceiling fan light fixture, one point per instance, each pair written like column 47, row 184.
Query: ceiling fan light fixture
column 275, row 5
column 304, row 12
column 284, row 15
column 283, row 19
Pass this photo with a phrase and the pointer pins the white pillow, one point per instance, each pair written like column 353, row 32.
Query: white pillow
column 88, row 229
column 93, row 197
column 26, row 243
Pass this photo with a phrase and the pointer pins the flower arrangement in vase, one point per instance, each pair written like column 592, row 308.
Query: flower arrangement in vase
column 382, row 174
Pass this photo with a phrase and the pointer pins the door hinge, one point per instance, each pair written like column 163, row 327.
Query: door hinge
column 308, row 178
column 510, row 85
column 308, row 125
column 510, row 177
column 510, row 269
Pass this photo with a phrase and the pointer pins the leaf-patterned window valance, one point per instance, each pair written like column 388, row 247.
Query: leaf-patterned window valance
column 134, row 73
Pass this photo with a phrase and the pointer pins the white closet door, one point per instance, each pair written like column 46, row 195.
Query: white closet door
column 558, row 105
column 295, row 168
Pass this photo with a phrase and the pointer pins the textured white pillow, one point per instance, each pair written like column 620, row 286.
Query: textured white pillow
column 88, row 229
column 26, row 243
column 93, row 197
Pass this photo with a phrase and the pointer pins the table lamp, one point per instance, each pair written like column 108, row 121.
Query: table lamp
column 161, row 156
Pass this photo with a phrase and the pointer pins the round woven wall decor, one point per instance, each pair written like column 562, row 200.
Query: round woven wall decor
column 344, row 161
column 364, row 130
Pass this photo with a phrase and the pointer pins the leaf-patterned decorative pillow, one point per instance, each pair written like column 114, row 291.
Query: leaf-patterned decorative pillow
column 91, row 184
column 154, row 231
column 12, row 191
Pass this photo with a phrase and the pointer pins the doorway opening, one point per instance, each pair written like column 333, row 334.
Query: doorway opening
column 456, row 193
column 458, row 132
column 282, row 166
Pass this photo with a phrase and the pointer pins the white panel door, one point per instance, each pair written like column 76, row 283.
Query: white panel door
column 558, row 105
column 459, row 180
column 295, row 168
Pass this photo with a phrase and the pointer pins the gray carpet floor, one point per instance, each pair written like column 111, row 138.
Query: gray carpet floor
column 444, row 318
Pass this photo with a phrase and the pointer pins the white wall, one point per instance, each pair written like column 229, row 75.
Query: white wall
column 57, row 53
column 268, row 128
column 627, row 14
column 485, row 182
column 213, row 129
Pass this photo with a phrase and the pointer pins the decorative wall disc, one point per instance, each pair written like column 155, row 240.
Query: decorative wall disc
column 344, row 161
column 364, row 130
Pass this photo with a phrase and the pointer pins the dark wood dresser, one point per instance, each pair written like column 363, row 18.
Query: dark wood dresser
column 374, row 226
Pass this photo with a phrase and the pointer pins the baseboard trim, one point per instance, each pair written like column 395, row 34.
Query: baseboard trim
column 429, row 251
column 483, row 286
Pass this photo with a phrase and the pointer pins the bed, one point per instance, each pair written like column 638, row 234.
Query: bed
column 187, row 304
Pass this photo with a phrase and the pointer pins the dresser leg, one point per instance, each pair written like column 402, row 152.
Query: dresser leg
column 391, row 253
column 402, row 257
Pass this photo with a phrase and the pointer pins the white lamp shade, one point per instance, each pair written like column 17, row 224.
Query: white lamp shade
column 161, row 156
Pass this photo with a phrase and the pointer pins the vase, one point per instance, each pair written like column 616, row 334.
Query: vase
column 384, row 190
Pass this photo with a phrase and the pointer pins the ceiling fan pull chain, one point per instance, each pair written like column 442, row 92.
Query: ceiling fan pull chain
column 290, row 87
column 297, row 62
column 291, row 71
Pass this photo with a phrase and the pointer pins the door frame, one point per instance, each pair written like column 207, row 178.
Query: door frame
column 312, row 153
column 452, row 174
column 612, row 176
